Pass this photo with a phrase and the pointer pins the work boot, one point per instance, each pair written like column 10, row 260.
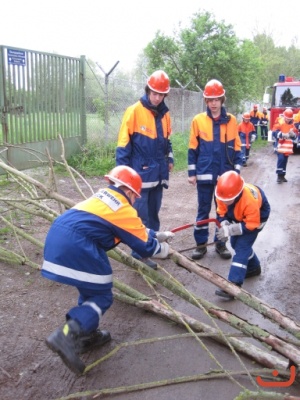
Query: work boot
column 89, row 341
column 64, row 342
column 199, row 252
column 279, row 178
column 149, row 262
column 225, row 295
column 223, row 251
column 283, row 179
column 253, row 272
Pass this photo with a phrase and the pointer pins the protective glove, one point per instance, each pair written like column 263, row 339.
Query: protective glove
column 164, row 251
column 229, row 230
column 253, row 137
column 225, row 222
column 285, row 136
column 164, row 236
column 292, row 134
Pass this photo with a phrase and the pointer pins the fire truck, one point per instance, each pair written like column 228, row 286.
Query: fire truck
column 283, row 94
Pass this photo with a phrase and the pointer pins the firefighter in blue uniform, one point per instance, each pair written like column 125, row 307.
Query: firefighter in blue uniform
column 144, row 144
column 75, row 254
column 243, row 210
column 214, row 147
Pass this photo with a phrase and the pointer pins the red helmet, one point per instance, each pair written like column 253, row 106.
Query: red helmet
column 288, row 113
column 159, row 82
column 125, row 176
column 246, row 116
column 213, row 89
column 229, row 186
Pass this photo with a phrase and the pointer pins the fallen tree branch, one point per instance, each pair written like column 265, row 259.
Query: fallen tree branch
column 250, row 300
column 287, row 350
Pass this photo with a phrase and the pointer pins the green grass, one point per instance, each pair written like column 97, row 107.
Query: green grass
column 94, row 160
column 180, row 143
column 97, row 159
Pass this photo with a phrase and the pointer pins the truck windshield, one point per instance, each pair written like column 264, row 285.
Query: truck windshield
column 287, row 96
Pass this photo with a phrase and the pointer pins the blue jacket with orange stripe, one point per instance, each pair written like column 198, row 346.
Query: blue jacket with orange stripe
column 251, row 208
column 144, row 142
column 76, row 244
column 214, row 147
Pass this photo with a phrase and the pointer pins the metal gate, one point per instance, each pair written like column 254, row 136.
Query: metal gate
column 41, row 101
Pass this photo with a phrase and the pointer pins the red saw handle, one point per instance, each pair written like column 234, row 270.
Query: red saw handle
column 203, row 222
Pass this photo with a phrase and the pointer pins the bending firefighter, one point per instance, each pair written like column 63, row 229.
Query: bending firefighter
column 75, row 254
column 243, row 210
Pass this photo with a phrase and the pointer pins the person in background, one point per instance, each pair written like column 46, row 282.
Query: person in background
column 285, row 132
column 144, row 144
column 243, row 210
column 247, row 135
column 297, row 120
column 75, row 254
column 264, row 122
column 255, row 117
column 214, row 148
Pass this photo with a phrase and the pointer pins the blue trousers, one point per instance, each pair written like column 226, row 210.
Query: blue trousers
column 282, row 161
column 205, row 197
column 244, row 258
column 92, row 304
column 148, row 207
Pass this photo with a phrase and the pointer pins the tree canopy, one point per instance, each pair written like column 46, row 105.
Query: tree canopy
column 209, row 49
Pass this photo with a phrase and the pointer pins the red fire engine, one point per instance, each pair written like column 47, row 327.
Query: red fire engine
column 283, row 94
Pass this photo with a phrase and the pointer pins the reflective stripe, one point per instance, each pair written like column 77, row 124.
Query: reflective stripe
column 252, row 255
column 148, row 185
column 191, row 167
column 239, row 265
column 261, row 225
column 200, row 228
column 206, row 177
column 94, row 307
column 74, row 274
column 157, row 248
column 237, row 167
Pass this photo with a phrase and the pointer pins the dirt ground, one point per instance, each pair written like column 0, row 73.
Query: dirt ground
column 31, row 307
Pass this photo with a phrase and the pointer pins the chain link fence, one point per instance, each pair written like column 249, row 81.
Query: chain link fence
column 107, row 98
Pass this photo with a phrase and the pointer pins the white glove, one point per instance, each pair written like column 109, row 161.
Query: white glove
column 292, row 134
column 229, row 230
column 164, row 251
column 164, row 236
column 285, row 136
column 225, row 222
column 253, row 137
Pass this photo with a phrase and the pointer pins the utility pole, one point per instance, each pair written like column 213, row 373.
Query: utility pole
column 201, row 97
column 182, row 102
column 106, row 96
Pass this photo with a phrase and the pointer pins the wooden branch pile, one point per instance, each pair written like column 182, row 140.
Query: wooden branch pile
column 45, row 202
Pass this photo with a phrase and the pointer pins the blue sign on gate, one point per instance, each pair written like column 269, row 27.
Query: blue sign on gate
column 16, row 57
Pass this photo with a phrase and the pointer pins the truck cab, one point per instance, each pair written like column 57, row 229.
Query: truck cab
column 283, row 94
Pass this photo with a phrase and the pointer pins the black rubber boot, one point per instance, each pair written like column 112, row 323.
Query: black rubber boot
column 254, row 272
column 93, row 340
column 149, row 262
column 64, row 342
column 225, row 295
